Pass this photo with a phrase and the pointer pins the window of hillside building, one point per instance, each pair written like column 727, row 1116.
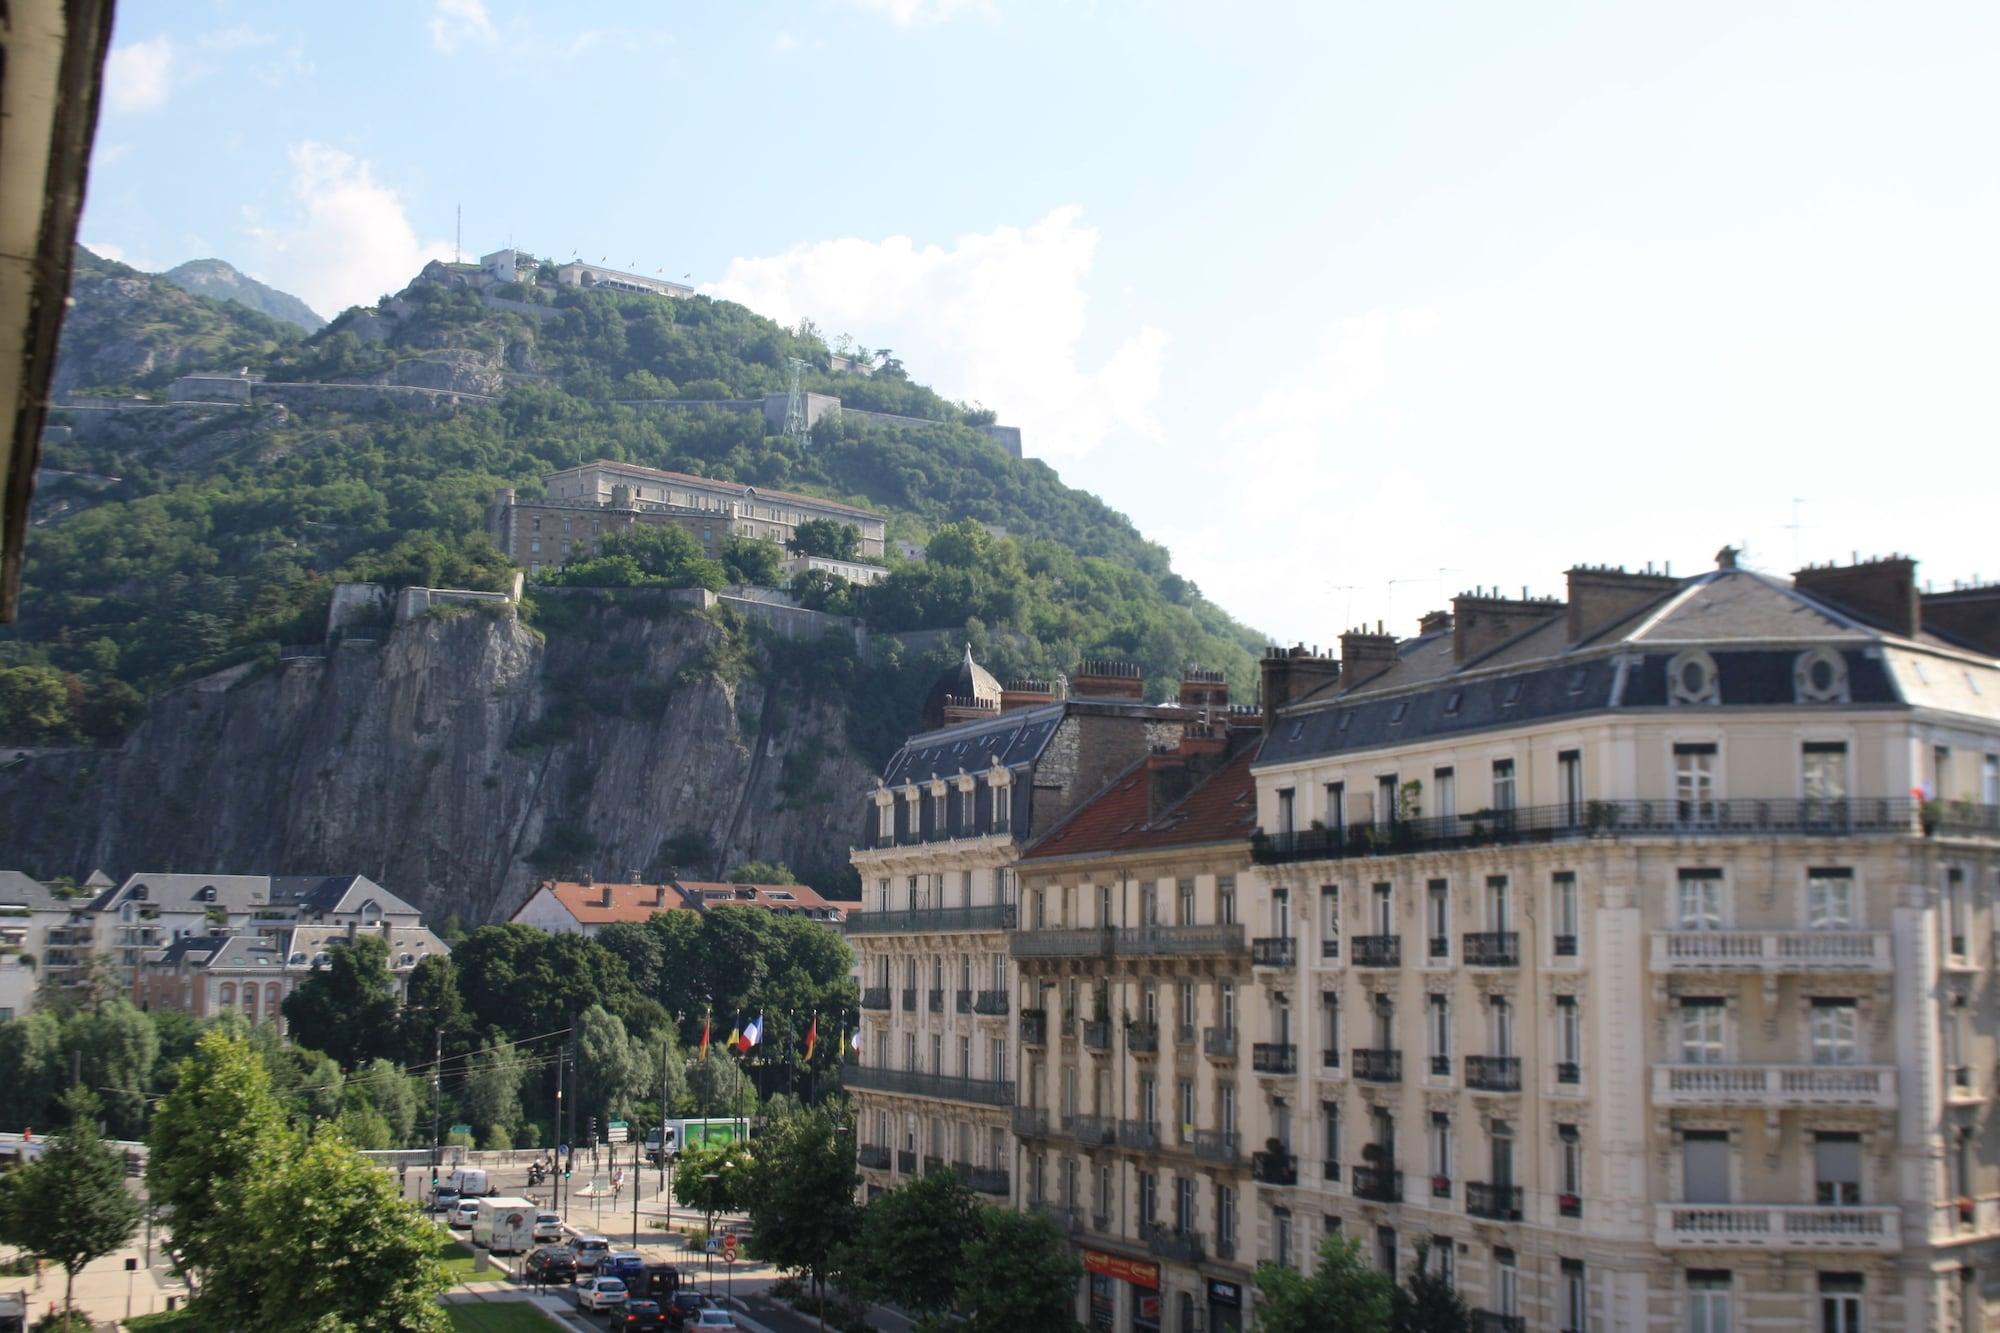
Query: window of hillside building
column 1569, row 1040
column 1698, row 900
column 1955, row 911
column 1705, row 1166
column 1184, row 894
column 1574, row 1301
column 1569, row 1161
column 1694, row 781
column 1565, row 918
column 1702, row 1019
column 1507, row 1284
column 1329, row 921
column 1225, row 900
column 1444, row 793
column 1336, row 807
column 1840, row 1303
column 1823, row 772
column 1836, row 1170
column 1830, row 898
column 1836, row 1032
column 1437, row 916
column 1286, row 822
column 1503, row 785
column 1281, row 1232
column 1941, row 775
column 1440, row 1145
column 1438, row 1031
column 1569, row 782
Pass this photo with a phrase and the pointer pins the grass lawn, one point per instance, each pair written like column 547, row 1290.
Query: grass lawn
column 493, row 1317
column 461, row 1262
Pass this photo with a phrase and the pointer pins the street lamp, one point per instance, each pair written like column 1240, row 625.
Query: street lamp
column 708, row 1242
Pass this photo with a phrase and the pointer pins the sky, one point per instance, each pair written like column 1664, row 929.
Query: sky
column 1352, row 306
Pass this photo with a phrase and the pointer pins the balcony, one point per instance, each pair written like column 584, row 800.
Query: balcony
column 1132, row 942
column 1031, row 1122
column 911, row 1083
column 924, row 920
column 964, row 1001
column 1060, row 942
column 1329, row 1170
column 990, row 1004
column 1378, row 1184
column 1329, row 1059
column 1488, row 1321
column 1184, row 1034
column 1171, row 1243
column 1440, row 1187
column 1274, row 1168
column 1329, row 949
column 1139, row 1135
column 875, row 997
column 1773, row 952
column 906, row 1162
column 1143, row 1038
column 936, row 1001
column 1217, row 1145
column 1569, row 1072
column 1493, row 1073
column 1569, row 1205
column 1097, row 1036
column 1066, row 1220
column 933, row 1164
column 1493, row 948
column 1378, row 950
column 1093, row 1131
column 872, row 1158
column 1776, row 1086
column 1372, row 1066
column 986, row 1180
column 1501, row 1203
column 1276, row 951
column 1271, row 1057
column 1763, row 1226
column 1565, row 946
column 1219, row 1043
column 1034, row 1027
column 1747, row 818
column 909, row 999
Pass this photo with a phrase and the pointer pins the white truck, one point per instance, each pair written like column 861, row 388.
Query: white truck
column 504, row 1225
column 470, row 1181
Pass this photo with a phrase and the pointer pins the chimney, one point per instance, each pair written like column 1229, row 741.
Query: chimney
column 1287, row 675
column 1097, row 678
column 1025, row 694
column 1482, row 621
column 1970, row 615
column 1201, row 688
column 1601, row 595
column 607, row 896
column 659, row 895
column 1365, row 655
column 1169, row 777
column 1433, row 622
column 1881, row 591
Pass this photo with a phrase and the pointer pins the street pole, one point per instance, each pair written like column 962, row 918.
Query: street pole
column 437, row 1104
column 663, row 1119
column 635, row 1193
column 556, row 1137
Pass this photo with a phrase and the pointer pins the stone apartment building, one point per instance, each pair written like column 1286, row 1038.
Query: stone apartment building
column 942, row 833
column 1640, row 952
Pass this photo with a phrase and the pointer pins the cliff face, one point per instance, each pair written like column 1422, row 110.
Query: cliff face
column 456, row 761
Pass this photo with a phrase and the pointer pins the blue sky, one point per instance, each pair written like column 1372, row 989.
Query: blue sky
column 1354, row 306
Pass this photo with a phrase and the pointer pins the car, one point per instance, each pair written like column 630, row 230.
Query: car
column 551, row 1263
column 627, row 1266
column 715, row 1319
column 588, row 1251
column 600, row 1293
column 685, row 1308
column 644, row 1313
column 549, row 1228
column 662, row 1281
column 462, row 1213
column 443, row 1200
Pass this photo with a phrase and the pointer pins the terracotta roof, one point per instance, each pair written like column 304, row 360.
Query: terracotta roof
column 1223, row 808
column 777, row 897
column 765, row 491
column 601, row 904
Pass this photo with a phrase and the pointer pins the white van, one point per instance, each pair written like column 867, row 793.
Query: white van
column 504, row 1225
column 470, row 1182
column 588, row 1251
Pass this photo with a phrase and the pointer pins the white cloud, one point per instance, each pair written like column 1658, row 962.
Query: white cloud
column 910, row 13
column 785, row 42
column 114, row 253
column 996, row 317
column 351, row 240
column 239, row 38
column 456, row 23
column 139, row 75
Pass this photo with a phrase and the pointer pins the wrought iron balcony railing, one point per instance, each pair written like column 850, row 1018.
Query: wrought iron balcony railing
column 1097, row 1036
column 1277, row 951
column 990, row 1003
column 964, row 1002
column 984, row 1091
column 875, row 997
column 1219, row 1042
column 1142, row 1038
column 1493, row 1073
column 1172, row 1243
column 1217, row 1145
column 1274, row 1168
column 1373, row 1066
column 873, row 1157
column 1093, row 1131
column 1271, row 1057
column 1378, row 950
column 1031, row 1122
column 1499, row 1202
column 987, row 1180
column 1379, row 1184
column 922, row 920
column 1034, row 1028
column 906, row 1162
column 1139, row 1135
column 1493, row 948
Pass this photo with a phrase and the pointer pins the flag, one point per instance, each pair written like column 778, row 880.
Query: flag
column 704, row 1036
column 855, row 1042
column 753, row 1032
column 735, row 1040
column 812, row 1037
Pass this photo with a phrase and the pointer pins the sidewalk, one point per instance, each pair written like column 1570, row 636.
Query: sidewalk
column 102, row 1287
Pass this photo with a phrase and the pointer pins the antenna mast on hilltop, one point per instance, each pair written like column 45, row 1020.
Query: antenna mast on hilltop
column 795, row 409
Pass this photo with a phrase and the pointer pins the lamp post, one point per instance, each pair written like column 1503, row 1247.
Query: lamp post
column 708, row 1242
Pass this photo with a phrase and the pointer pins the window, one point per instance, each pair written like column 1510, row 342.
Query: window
column 1149, row 1197
column 1442, row 1259
column 1386, row 804
column 1385, row 1249
column 1184, row 1101
column 1502, row 1016
column 1691, row 679
column 1574, row 1298
column 1329, row 1002
column 1705, row 1166
column 1184, row 894
column 1385, row 916
column 965, row 1057
column 1840, row 1303
column 1437, row 911
column 1698, row 900
column 1444, row 795
column 1953, row 1022
column 1836, row 1032
column 885, row 821
column 1281, row 913
column 1149, row 905
column 1837, row 1170
column 1694, row 782
column 1569, row 1171
column 1941, row 786
column 1823, row 775
column 1439, row 1029
column 1954, row 911
column 1569, row 780
column 1440, row 1143
column 1507, row 1283
column 1565, row 916
column 1329, row 921
column 1830, row 899
column 1226, row 995
column 1225, row 1217
column 1329, row 1118
column 1281, row 1225
column 1503, row 785
column 1184, row 1204
column 1184, row 1003
column 1819, row 675
column 1701, row 1029
column 1989, row 782
column 1225, row 900
column 1569, row 1040
column 1285, row 817
column 1336, row 807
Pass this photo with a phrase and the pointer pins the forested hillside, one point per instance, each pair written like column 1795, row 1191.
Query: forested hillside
column 172, row 543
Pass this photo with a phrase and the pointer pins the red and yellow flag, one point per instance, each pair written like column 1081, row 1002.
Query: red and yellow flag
column 704, row 1036
column 812, row 1037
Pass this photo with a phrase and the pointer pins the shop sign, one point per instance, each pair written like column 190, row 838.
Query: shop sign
column 1135, row 1271
column 1225, row 1293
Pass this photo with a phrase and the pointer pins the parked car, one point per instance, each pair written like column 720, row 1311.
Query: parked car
column 644, row 1313
column 551, row 1263
column 548, row 1228
column 443, row 1200
column 684, row 1308
column 588, row 1251
column 600, row 1293
column 712, row 1319
column 627, row 1266
column 462, row 1213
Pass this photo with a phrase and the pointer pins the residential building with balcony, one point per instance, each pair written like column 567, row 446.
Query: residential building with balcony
column 587, row 907
column 941, row 837
column 251, row 974
column 42, row 936
column 1644, row 949
column 1141, row 971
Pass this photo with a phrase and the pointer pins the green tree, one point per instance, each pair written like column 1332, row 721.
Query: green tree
column 716, row 1086
column 34, row 705
column 391, row 1094
column 752, row 560
column 761, row 872
column 119, row 1046
column 712, row 1180
column 1428, row 1302
column 825, row 537
column 70, row 1204
column 32, row 1068
column 613, row 1073
column 1344, row 1294
column 363, row 1126
column 491, row 1101
column 1019, row 1273
column 962, row 545
column 912, row 1241
column 800, row 1194
column 348, row 1009
column 340, row 1249
column 432, row 1006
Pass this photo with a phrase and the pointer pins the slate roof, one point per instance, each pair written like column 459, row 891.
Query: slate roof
column 19, row 890
column 1221, row 808
column 308, row 895
column 1012, row 738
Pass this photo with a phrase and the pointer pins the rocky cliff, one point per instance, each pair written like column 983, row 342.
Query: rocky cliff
column 220, row 280
column 457, row 760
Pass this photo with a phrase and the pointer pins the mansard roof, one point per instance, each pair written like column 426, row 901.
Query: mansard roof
column 1221, row 808
column 1009, row 739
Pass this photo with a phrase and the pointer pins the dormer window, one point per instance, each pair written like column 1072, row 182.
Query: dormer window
column 1691, row 679
column 1819, row 676
column 139, row 892
column 205, row 894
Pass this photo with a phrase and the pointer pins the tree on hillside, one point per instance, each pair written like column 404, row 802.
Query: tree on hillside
column 825, row 537
column 432, row 1006
column 70, row 1204
column 348, row 1009
column 644, row 555
column 752, row 560
column 1019, row 1273
column 761, row 872
column 800, row 1195
column 911, row 1244
column 1344, row 1293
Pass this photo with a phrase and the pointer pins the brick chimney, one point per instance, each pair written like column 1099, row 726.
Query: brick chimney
column 1204, row 689
column 1289, row 674
column 1881, row 591
column 1097, row 678
column 1970, row 615
column 1601, row 595
column 1433, row 622
column 1026, row 694
column 1365, row 655
column 1481, row 621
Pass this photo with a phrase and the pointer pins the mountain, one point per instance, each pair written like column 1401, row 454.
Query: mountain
column 175, row 602
column 219, row 280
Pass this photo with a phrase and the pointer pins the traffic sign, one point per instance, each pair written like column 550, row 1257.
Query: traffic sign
column 714, row 1245
column 729, row 1249
column 617, row 1132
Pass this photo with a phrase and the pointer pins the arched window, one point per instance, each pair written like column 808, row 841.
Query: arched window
column 228, row 994
column 250, row 1001
column 371, row 913
column 272, row 997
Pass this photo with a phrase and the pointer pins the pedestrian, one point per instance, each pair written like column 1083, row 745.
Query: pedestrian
column 38, row 1274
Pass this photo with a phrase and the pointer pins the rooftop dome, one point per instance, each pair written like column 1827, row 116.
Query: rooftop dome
column 964, row 691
